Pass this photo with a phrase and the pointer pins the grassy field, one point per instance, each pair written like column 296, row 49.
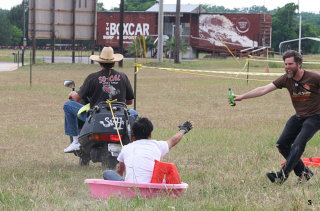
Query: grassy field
column 223, row 159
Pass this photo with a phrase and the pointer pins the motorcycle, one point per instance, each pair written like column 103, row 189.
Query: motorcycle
column 107, row 128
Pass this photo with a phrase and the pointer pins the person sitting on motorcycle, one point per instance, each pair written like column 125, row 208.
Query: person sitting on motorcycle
column 137, row 159
column 106, row 84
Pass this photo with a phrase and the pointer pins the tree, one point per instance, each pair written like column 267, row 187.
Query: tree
column 170, row 46
column 15, row 16
column 101, row 7
column 284, row 25
column 5, row 30
column 17, row 36
column 310, row 30
column 136, row 5
column 136, row 48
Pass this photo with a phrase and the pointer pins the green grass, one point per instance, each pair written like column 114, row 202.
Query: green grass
column 223, row 159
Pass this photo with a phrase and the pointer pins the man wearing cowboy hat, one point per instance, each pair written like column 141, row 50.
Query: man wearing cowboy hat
column 106, row 84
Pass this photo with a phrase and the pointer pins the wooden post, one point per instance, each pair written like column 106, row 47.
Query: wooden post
column 94, row 27
column 135, row 87
column 121, row 30
column 53, row 35
column 177, row 34
column 24, row 32
column 34, row 45
column 248, row 72
column 73, row 29
column 30, row 79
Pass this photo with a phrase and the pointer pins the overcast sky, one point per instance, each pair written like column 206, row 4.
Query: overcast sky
column 305, row 5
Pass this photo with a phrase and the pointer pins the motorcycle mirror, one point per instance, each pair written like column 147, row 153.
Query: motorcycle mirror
column 69, row 84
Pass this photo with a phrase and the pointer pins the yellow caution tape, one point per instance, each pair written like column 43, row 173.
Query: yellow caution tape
column 229, row 50
column 214, row 71
column 114, row 120
column 138, row 66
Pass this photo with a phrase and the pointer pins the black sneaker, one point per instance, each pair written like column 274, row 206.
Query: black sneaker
column 278, row 177
column 305, row 176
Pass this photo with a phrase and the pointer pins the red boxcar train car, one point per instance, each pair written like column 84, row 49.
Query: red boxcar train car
column 240, row 33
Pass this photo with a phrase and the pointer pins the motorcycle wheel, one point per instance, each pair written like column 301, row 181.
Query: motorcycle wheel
column 109, row 162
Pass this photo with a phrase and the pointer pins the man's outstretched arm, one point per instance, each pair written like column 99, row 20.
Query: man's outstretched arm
column 257, row 92
column 186, row 127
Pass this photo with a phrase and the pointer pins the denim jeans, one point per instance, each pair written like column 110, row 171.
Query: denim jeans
column 112, row 175
column 71, row 109
column 292, row 142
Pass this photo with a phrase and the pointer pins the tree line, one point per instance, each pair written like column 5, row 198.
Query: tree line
column 285, row 23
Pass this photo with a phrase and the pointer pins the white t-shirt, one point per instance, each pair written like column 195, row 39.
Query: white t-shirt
column 139, row 158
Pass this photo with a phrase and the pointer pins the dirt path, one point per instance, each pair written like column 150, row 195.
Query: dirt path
column 7, row 66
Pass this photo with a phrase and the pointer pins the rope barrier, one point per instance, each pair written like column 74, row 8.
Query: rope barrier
column 277, row 61
column 114, row 120
column 213, row 71
column 229, row 50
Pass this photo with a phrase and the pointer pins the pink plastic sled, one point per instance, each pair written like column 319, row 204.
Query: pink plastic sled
column 106, row 188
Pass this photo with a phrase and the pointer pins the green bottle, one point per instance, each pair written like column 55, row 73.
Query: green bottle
column 231, row 98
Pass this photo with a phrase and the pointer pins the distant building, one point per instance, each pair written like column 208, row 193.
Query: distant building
column 203, row 31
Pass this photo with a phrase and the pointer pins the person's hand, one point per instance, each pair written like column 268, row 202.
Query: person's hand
column 186, row 127
column 71, row 94
column 237, row 97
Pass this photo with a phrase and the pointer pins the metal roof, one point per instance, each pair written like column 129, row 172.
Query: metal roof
column 171, row 8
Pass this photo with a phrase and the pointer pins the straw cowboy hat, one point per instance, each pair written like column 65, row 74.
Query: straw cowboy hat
column 107, row 56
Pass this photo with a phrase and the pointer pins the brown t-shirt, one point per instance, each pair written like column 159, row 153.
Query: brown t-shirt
column 305, row 94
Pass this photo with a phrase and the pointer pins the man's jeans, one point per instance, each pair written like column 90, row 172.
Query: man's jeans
column 292, row 142
column 71, row 109
column 112, row 175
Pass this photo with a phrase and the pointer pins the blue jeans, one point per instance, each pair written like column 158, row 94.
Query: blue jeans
column 71, row 109
column 292, row 142
column 112, row 175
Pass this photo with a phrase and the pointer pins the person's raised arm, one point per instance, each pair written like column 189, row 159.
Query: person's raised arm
column 257, row 92
column 186, row 127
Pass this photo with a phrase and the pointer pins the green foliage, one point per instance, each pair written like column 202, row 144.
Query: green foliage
column 170, row 46
column 137, row 5
column 135, row 47
column 222, row 9
column 101, row 7
column 5, row 30
column 15, row 16
column 17, row 36
column 284, row 24
column 308, row 17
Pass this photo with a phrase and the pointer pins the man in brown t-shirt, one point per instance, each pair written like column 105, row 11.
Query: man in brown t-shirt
column 304, row 89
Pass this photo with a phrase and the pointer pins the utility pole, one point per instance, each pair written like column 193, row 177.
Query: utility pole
column 94, row 28
column 34, row 44
column 299, row 27
column 24, row 32
column 53, row 33
column 160, row 32
column 73, row 29
column 177, row 34
column 121, row 31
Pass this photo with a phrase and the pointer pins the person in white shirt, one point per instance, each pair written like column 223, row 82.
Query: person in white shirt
column 137, row 159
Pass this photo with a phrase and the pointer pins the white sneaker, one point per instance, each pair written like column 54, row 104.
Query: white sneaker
column 74, row 146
